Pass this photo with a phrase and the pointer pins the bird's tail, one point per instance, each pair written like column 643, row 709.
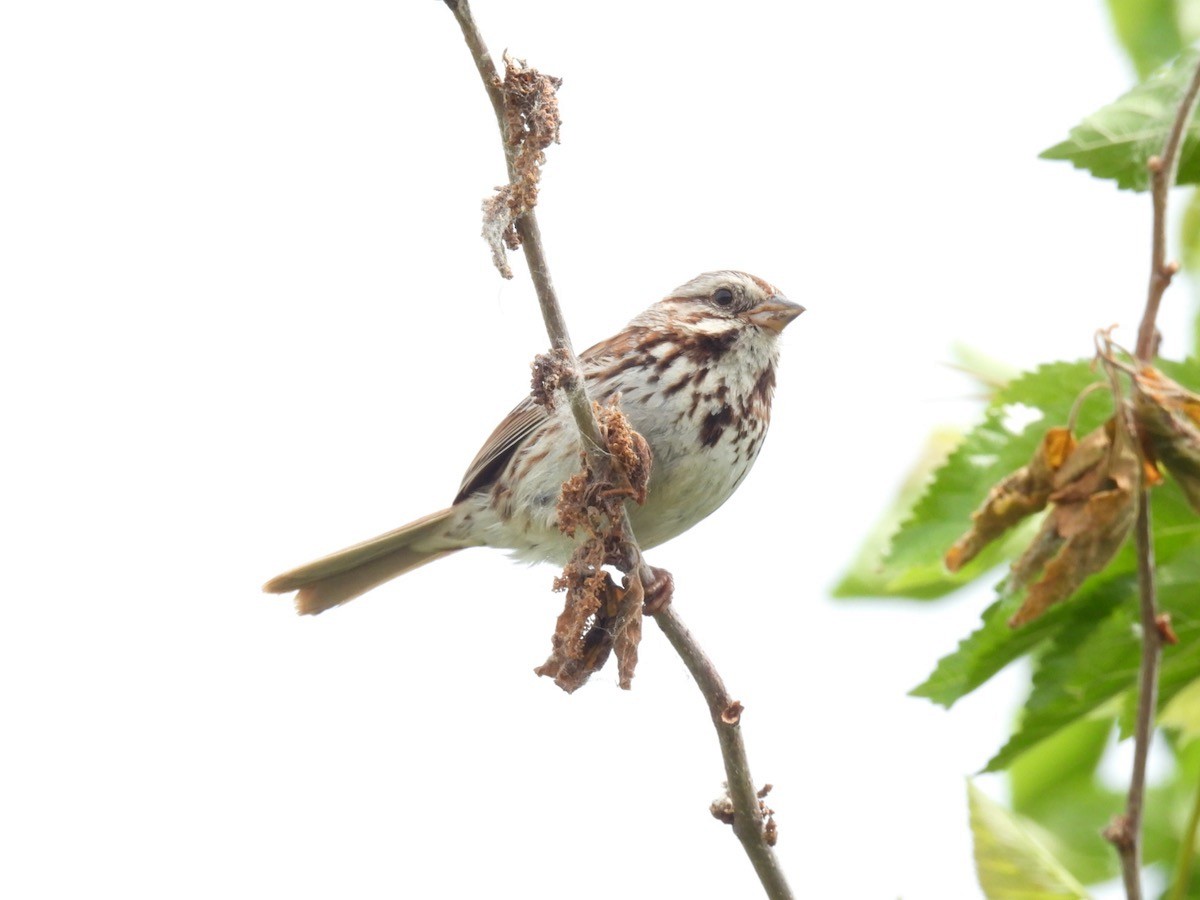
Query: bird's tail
column 342, row 576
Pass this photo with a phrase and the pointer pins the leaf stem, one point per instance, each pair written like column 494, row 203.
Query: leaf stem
column 1126, row 832
column 748, row 821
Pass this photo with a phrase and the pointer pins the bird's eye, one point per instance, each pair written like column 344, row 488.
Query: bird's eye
column 723, row 297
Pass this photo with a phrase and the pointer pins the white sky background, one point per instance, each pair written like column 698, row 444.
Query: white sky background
column 248, row 320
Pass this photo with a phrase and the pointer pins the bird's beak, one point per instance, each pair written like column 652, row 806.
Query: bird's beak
column 776, row 313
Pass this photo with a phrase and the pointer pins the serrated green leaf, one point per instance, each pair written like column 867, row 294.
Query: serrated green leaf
column 1148, row 30
column 1117, row 140
column 1011, row 863
column 1177, row 532
column 994, row 645
column 1094, row 655
column 990, row 451
column 1106, row 650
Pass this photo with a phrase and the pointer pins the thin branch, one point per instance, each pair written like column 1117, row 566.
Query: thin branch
column 726, row 714
column 1126, row 832
column 748, row 820
column 531, row 243
column 1162, row 178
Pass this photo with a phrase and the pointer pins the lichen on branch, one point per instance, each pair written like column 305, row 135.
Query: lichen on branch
column 531, row 124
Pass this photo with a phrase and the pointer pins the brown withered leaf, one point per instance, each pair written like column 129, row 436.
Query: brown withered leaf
column 1016, row 497
column 598, row 617
column 1168, row 417
column 1040, row 551
column 627, row 629
column 1093, row 511
column 582, row 637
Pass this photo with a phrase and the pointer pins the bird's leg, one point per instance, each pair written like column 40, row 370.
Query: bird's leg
column 659, row 590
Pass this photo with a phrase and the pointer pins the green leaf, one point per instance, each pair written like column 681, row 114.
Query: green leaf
column 990, row 373
column 1196, row 332
column 1012, row 864
column 869, row 574
column 1148, row 30
column 1182, row 713
column 913, row 567
column 1189, row 234
column 1095, row 654
column 994, row 645
column 1055, row 785
column 1117, row 140
column 1089, row 661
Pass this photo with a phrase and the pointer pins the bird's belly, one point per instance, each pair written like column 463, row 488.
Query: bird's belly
column 684, row 489
column 689, row 479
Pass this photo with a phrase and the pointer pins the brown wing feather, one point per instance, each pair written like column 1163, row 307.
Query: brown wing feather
column 620, row 344
column 498, row 449
column 527, row 417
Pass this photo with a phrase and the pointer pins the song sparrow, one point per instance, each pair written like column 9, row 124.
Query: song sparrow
column 695, row 373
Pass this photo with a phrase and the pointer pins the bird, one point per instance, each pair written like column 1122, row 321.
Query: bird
column 695, row 376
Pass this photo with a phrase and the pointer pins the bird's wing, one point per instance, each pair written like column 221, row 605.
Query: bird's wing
column 526, row 418
column 498, row 449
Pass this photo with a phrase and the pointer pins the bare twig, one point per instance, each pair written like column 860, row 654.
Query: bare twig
column 531, row 243
column 1162, row 178
column 1126, row 830
column 726, row 715
column 748, row 818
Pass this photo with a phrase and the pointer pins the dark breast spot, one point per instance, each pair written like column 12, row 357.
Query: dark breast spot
column 677, row 386
column 764, row 386
column 714, row 426
column 708, row 347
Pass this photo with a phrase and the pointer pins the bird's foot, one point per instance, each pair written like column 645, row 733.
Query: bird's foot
column 658, row 590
